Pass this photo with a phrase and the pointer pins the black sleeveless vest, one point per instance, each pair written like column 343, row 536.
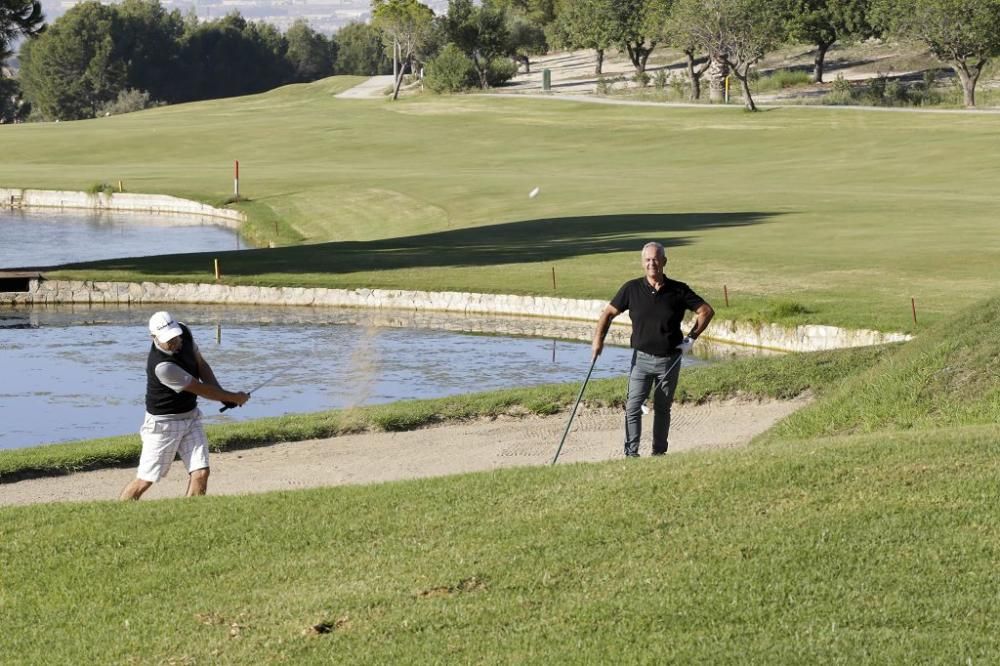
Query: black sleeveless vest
column 160, row 398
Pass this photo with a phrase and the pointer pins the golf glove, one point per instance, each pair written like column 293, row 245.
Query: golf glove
column 686, row 345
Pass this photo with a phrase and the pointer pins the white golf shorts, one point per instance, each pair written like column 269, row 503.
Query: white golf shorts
column 162, row 440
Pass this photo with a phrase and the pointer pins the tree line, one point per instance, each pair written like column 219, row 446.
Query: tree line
column 98, row 59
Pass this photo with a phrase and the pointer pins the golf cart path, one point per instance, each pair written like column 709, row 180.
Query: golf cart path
column 454, row 448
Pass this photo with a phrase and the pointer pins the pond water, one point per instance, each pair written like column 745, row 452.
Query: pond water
column 72, row 372
column 52, row 237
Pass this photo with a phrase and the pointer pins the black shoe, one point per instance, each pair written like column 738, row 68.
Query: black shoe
column 659, row 453
column 631, row 455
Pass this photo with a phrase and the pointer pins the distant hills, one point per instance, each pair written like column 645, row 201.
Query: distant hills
column 326, row 16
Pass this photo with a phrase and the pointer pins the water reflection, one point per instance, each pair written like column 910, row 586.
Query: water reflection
column 76, row 372
column 51, row 237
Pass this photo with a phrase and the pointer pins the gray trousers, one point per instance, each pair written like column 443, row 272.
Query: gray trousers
column 660, row 373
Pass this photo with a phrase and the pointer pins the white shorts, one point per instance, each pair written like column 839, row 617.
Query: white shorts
column 162, row 440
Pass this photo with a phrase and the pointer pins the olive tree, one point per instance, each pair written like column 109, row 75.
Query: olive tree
column 963, row 33
column 406, row 25
column 735, row 33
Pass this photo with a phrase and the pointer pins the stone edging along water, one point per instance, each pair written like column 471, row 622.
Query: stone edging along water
column 116, row 201
column 769, row 336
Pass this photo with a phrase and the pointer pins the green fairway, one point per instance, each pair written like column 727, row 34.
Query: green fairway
column 844, row 214
column 874, row 549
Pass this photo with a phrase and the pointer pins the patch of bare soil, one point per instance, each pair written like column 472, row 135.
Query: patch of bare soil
column 455, row 448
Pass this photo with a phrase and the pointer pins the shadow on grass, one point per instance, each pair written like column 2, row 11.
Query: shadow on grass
column 507, row 243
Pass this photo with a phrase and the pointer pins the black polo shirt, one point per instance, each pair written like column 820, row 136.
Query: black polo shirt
column 656, row 315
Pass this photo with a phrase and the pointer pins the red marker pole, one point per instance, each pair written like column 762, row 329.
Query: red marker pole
column 236, row 181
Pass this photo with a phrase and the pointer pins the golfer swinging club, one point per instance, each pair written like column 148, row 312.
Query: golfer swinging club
column 176, row 374
column 656, row 305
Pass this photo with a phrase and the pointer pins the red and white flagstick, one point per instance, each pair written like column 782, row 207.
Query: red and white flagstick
column 236, row 181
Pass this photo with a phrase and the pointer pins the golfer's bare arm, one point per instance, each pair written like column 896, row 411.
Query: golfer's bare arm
column 702, row 316
column 205, row 370
column 208, row 386
column 603, row 324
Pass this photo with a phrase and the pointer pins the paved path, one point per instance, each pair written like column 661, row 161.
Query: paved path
column 373, row 88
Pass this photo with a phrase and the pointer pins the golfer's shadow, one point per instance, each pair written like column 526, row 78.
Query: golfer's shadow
column 526, row 241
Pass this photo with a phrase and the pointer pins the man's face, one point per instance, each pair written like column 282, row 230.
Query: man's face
column 653, row 262
column 172, row 346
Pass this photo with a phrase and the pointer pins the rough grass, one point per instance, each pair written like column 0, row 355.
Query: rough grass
column 845, row 550
column 946, row 377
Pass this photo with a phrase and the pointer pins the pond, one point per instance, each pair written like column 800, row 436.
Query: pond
column 78, row 372
column 51, row 237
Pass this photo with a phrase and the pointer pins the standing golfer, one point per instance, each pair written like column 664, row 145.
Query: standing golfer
column 656, row 305
column 176, row 374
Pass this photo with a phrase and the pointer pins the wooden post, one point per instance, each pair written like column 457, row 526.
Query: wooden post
column 216, row 270
column 913, row 307
column 553, row 278
column 725, row 291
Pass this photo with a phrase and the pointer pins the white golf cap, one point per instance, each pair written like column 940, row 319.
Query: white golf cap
column 163, row 327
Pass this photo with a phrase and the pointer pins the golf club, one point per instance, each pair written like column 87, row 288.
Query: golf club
column 573, row 413
column 230, row 405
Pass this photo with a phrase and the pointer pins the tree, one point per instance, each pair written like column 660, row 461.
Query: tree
column 638, row 26
column 310, row 53
column 147, row 42
column 231, row 56
column 359, row 51
column 405, row 25
column 69, row 71
column 824, row 22
column 735, row 33
column 963, row 33
column 18, row 18
column 585, row 24
column 681, row 36
column 480, row 32
column 526, row 39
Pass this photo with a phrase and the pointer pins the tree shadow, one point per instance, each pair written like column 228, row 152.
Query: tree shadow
column 495, row 244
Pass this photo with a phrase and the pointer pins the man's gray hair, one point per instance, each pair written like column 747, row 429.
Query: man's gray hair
column 660, row 250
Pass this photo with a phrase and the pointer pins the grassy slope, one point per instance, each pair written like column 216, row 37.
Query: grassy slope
column 848, row 213
column 866, row 549
column 945, row 378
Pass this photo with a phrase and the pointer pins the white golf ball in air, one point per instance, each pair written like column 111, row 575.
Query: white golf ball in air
column 534, row 193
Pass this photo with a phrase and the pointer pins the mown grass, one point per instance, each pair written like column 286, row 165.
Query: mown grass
column 846, row 212
column 750, row 378
column 874, row 548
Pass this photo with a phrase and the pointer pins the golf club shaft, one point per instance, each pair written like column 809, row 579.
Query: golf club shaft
column 257, row 388
column 573, row 413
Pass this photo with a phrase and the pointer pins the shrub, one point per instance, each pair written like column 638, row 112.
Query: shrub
column 660, row 80
column 604, row 85
column 128, row 100
column 451, row 71
column 782, row 79
column 500, row 71
column 641, row 79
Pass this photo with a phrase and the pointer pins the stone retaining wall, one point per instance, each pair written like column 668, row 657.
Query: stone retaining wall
column 769, row 336
column 116, row 201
